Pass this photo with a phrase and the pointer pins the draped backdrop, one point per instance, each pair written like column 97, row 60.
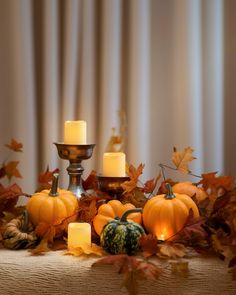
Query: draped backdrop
column 169, row 65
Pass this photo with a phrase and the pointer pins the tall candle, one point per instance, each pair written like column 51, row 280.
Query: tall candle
column 75, row 132
column 114, row 164
column 79, row 234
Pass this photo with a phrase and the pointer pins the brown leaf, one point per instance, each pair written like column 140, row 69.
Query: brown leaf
column 214, row 183
column 87, row 208
column 45, row 179
column 91, row 181
column 15, row 146
column 134, row 174
column 172, row 250
column 181, row 159
column 2, row 171
column 41, row 249
column 132, row 268
column 150, row 185
column 9, row 197
column 148, row 244
column 11, row 170
column 86, row 249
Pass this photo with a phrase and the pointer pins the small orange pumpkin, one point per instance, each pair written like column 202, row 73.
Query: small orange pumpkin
column 52, row 206
column 112, row 209
column 165, row 215
column 190, row 189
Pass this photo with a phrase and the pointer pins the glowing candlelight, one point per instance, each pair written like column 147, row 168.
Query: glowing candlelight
column 162, row 237
column 75, row 132
column 114, row 164
column 79, row 234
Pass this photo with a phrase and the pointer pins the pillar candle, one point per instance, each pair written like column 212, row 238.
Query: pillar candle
column 79, row 233
column 75, row 132
column 114, row 164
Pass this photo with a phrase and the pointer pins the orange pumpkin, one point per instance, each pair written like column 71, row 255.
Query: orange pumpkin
column 112, row 209
column 190, row 189
column 52, row 206
column 165, row 215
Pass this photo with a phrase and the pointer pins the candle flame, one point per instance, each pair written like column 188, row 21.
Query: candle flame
column 162, row 237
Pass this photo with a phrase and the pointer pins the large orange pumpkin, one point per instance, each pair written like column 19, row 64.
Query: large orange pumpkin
column 51, row 206
column 165, row 215
column 112, row 209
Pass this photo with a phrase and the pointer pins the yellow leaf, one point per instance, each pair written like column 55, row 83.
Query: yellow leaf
column 172, row 250
column 86, row 249
column 181, row 159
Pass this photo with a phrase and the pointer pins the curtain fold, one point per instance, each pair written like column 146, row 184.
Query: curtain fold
column 169, row 65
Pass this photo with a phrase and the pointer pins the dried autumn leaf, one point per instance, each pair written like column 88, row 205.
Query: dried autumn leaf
column 91, row 181
column 11, row 170
column 132, row 268
column 15, row 145
column 212, row 182
column 87, row 208
column 181, row 159
column 2, row 171
column 148, row 244
column 86, row 249
column 150, row 185
column 41, row 249
column 45, row 179
column 134, row 174
column 135, row 197
column 172, row 250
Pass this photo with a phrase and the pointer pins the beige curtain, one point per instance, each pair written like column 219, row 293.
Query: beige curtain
column 170, row 65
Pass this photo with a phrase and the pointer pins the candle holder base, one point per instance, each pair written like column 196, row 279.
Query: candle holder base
column 111, row 185
column 75, row 153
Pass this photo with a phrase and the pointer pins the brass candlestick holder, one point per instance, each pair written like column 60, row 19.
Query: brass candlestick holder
column 111, row 185
column 75, row 153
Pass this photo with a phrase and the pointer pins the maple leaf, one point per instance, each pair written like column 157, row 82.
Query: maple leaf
column 9, row 197
column 15, row 146
column 41, row 249
column 87, row 208
column 134, row 174
column 91, row 181
column 45, row 178
column 11, row 170
column 181, row 159
column 132, row 268
column 214, row 183
column 135, row 197
column 150, row 185
column 86, row 249
column 148, row 244
column 193, row 227
column 172, row 250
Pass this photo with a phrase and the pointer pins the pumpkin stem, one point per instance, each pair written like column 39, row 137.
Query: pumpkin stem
column 170, row 195
column 124, row 216
column 53, row 191
column 24, row 227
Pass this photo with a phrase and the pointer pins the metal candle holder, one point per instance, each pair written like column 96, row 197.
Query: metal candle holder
column 111, row 185
column 75, row 153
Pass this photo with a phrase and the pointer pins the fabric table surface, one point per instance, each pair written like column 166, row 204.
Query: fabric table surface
column 55, row 273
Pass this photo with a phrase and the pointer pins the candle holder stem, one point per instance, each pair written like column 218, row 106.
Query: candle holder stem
column 75, row 171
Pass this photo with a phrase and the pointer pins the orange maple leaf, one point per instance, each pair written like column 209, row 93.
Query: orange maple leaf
column 45, row 178
column 86, row 249
column 15, row 145
column 148, row 244
column 181, row 159
column 134, row 174
column 11, row 170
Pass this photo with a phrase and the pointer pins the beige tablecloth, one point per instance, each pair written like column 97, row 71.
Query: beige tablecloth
column 57, row 274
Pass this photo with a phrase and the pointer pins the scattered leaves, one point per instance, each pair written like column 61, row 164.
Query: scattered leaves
column 11, row 170
column 86, row 249
column 172, row 250
column 148, row 244
column 134, row 174
column 181, row 159
column 133, row 270
column 45, row 179
column 15, row 145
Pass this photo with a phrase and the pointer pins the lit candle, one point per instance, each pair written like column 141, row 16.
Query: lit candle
column 114, row 164
column 79, row 234
column 75, row 132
